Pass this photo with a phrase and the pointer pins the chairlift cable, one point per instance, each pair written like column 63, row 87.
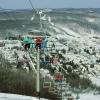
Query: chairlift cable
column 41, row 28
column 32, row 6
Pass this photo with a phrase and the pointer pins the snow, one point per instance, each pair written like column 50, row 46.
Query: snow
column 5, row 96
column 69, row 31
column 85, row 96
column 32, row 18
column 89, row 97
column 90, row 20
column 95, row 80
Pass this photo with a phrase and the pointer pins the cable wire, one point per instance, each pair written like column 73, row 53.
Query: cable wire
column 33, row 7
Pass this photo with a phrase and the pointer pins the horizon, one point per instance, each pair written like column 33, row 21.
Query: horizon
column 46, row 8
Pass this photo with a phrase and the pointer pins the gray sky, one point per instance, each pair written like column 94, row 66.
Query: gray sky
column 24, row 4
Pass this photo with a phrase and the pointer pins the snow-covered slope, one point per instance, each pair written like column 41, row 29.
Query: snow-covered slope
column 89, row 97
column 5, row 96
column 77, row 33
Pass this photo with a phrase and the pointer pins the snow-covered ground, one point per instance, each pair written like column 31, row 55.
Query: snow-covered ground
column 95, row 80
column 89, row 97
column 86, row 96
column 5, row 96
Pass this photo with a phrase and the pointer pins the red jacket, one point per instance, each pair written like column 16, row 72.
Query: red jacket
column 58, row 77
column 39, row 40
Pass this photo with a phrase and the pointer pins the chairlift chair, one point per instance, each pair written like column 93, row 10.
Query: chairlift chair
column 56, row 92
column 66, row 94
column 54, row 53
column 47, row 60
column 60, row 88
column 77, row 97
column 46, row 84
column 70, row 98
column 52, row 90
column 59, row 95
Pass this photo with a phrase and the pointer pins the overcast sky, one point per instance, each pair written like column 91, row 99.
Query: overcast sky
column 24, row 4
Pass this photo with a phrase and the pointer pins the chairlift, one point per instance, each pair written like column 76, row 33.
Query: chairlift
column 70, row 98
column 46, row 84
column 66, row 94
column 36, row 33
column 56, row 92
column 77, row 97
column 47, row 60
column 59, row 95
column 53, row 53
column 52, row 90
column 60, row 88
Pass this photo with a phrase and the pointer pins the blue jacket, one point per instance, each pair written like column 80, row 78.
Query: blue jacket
column 32, row 45
column 44, row 43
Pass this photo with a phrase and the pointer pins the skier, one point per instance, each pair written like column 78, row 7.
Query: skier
column 58, row 78
column 55, row 60
column 32, row 44
column 38, row 42
column 44, row 43
column 26, row 43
